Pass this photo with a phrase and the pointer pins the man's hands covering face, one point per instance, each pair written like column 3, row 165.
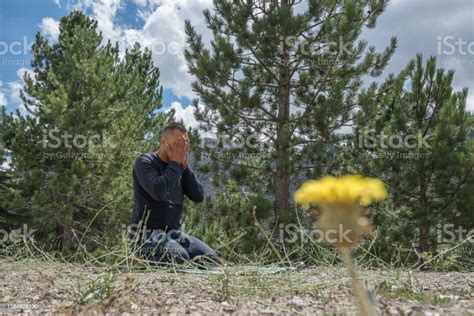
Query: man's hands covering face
column 179, row 151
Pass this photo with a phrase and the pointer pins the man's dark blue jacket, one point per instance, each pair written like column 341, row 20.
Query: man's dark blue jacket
column 159, row 189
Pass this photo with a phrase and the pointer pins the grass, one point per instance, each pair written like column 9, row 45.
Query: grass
column 117, row 281
column 69, row 287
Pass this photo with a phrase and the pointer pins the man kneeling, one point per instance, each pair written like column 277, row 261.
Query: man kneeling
column 160, row 181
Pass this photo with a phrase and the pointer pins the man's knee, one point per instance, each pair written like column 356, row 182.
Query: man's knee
column 175, row 252
column 197, row 248
column 160, row 248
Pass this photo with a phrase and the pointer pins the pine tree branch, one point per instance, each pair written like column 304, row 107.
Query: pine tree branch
column 218, row 92
column 453, row 194
column 235, row 29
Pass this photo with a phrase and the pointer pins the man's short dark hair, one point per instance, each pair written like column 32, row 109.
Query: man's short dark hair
column 174, row 126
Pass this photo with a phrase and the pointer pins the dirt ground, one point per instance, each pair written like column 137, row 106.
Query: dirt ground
column 51, row 287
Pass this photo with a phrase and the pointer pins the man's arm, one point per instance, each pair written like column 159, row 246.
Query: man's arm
column 192, row 187
column 152, row 182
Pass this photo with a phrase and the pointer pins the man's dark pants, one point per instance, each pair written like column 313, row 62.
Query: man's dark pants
column 175, row 246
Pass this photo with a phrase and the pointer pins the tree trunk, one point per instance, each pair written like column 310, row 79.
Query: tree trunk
column 423, row 241
column 424, row 222
column 66, row 240
column 282, row 174
column 282, row 187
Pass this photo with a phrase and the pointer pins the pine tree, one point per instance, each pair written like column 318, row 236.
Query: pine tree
column 416, row 137
column 90, row 111
column 287, row 79
column 7, row 219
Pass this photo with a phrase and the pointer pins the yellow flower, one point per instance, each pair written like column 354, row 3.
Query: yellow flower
column 348, row 189
column 341, row 203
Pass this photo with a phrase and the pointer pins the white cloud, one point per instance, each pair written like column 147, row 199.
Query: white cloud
column 104, row 11
column 3, row 99
column 423, row 24
column 165, row 28
column 21, row 72
column 14, row 88
column 162, row 32
column 186, row 114
column 6, row 165
column 141, row 3
column 470, row 103
column 50, row 27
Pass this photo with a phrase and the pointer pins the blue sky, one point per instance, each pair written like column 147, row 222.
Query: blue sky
column 20, row 20
column 159, row 25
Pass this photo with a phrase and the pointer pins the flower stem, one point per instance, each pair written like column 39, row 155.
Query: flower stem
column 360, row 293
